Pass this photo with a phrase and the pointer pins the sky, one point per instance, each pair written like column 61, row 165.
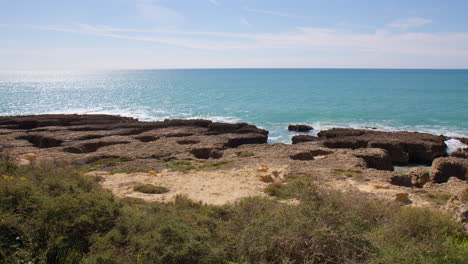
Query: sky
column 153, row 34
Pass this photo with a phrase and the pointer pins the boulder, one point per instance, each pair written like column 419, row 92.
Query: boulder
column 419, row 176
column 300, row 128
column 444, row 168
column 303, row 138
column 375, row 158
column 401, row 180
column 402, row 197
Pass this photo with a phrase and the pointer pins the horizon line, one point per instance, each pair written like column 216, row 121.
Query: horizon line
column 225, row 68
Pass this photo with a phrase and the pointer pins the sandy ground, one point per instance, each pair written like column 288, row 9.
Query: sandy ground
column 214, row 187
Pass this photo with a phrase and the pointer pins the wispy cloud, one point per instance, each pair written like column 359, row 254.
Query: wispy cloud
column 214, row 2
column 378, row 43
column 407, row 23
column 154, row 12
column 271, row 12
column 244, row 22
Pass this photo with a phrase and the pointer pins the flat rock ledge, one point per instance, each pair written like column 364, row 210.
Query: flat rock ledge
column 219, row 163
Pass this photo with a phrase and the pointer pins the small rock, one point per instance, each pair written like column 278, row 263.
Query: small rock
column 266, row 178
column 402, row 197
column 262, row 168
column 300, row 128
column 26, row 159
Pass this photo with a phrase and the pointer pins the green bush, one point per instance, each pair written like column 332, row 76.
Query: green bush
column 151, row 189
column 53, row 214
column 196, row 165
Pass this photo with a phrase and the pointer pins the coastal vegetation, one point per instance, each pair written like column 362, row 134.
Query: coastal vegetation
column 194, row 165
column 151, row 189
column 55, row 214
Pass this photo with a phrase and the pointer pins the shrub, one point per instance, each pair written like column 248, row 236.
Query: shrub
column 53, row 214
column 151, row 189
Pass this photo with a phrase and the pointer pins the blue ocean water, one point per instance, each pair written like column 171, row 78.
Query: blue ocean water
column 434, row 101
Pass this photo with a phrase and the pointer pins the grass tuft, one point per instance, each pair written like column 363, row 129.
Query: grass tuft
column 245, row 154
column 348, row 173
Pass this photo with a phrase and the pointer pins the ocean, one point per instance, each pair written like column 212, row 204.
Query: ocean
column 433, row 101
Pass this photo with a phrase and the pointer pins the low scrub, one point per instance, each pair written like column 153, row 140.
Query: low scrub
column 195, row 165
column 56, row 215
column 151, row 189
column 348, row 173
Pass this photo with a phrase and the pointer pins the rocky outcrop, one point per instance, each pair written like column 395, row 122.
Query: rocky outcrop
column 460, row 153
column 78, row 138
column 35, row 121
column 300, row 128
column 41, row 141
column 375, row 158
column 237, row 128
column 458, row 206
column 303, row 138
column 444, row 168
column 463, row 140
column 235, row 141
column 403, row 147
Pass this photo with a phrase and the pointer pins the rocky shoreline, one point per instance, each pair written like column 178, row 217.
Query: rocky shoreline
column 352, row 160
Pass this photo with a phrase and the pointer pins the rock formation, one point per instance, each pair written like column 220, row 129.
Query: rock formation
column 403, row 147
column 300, row 128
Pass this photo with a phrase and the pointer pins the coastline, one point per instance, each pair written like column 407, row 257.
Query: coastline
column 173, row 148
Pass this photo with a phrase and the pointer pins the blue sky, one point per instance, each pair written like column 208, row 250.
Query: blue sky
column 127, row 34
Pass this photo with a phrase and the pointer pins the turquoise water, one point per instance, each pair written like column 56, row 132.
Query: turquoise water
column 434, row 101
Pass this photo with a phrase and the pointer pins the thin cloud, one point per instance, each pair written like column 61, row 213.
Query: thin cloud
column 410, row 23
column 245, row 22
column 270, row 12
column 214, row 2
column 378, row 43
column 151, row 11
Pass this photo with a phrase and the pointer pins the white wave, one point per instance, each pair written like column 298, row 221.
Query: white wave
column 454, row 144
column 225, row 119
